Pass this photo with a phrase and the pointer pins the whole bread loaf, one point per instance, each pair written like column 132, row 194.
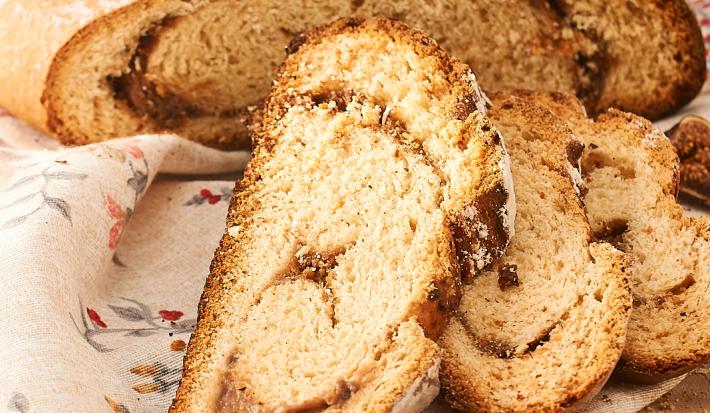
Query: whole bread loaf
column 374, row 173
column 88, row 71
column 542, row 329
column 632, row 174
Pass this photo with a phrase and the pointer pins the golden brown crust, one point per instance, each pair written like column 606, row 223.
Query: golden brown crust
column 444, row 291
column 442, row 299
column 458, row 396
column 655, row 371
column 470, row 385
column 241, row 208
column 635, row 136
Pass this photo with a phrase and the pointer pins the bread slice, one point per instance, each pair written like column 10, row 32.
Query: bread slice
column 691, row 139
column 631, row 171
column 373, row 173
column 86, row 72
column 543, row 328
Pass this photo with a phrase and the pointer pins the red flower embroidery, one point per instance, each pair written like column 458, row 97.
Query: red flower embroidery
column 115, row 210
column 134, row 152
column 95, row 317
column 114, row 234
column 170, row 315
column 210, row 197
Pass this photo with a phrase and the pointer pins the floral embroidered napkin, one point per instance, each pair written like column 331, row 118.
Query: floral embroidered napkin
column 101, row 269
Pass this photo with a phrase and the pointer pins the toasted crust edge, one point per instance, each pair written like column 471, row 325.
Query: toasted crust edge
column 49, row 100
column 631, row 367
column 455, row 384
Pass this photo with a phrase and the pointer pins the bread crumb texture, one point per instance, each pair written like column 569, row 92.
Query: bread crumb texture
column 542, row 329
column 632, row 174
column 339, row 264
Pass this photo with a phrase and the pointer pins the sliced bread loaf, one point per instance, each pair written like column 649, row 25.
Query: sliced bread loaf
column 631, row 171
column 373, row 168
column 543, row 328
column 89, row 71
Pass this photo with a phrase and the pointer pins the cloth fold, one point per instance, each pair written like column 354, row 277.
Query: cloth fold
column 102, row 270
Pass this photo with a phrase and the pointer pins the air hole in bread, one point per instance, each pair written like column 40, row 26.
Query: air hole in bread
column 613, row 232
column 596, row 159
column 574, row 150
column 488, row 345
column 540, row 342
column 503, row 350
column 340, row 96
column 687, row 282
column 599, row 294
column 592, row 68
